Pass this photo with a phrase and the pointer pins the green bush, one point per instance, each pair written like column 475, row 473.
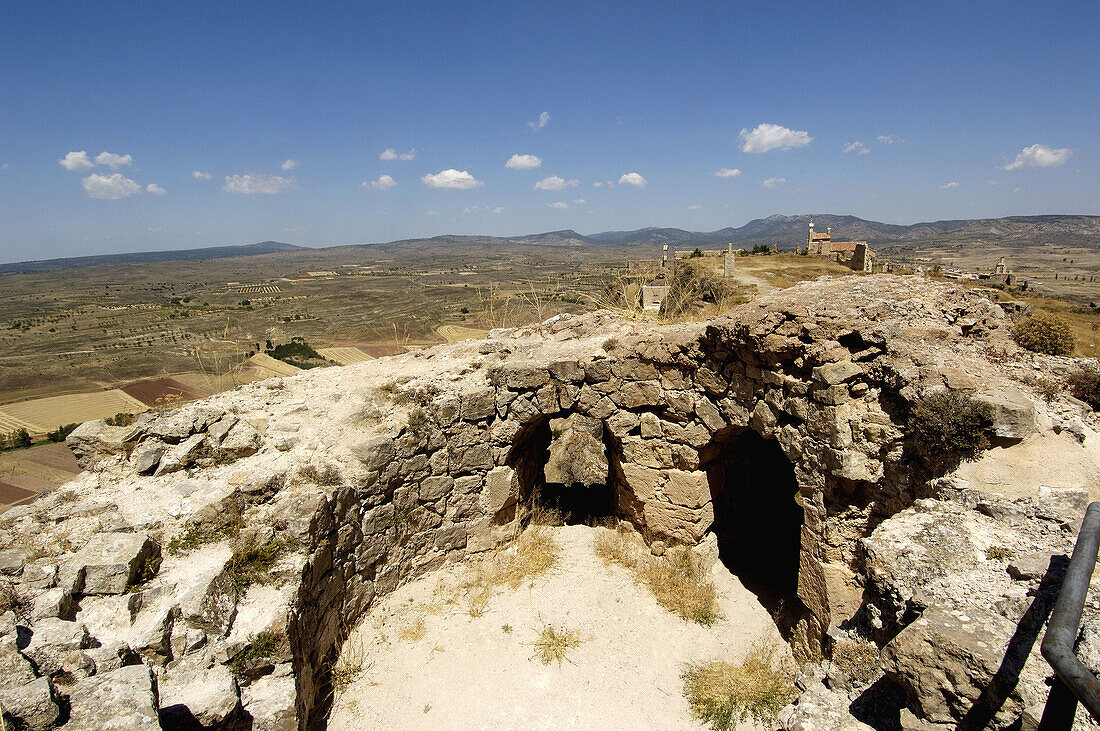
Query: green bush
column 18, row 439
column 1085, row 385
column 1045, row 333
column 948, row 428
column 59, row 434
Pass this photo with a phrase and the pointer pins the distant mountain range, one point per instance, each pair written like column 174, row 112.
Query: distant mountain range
column 142, row 257
column 785, row 231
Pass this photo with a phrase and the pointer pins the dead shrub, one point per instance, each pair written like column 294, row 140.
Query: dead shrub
column 858, row 659
column 724, row 695
column 680, row 585
column 1045, row 333
column 534, row 553
column 1085, row 385
column 414, row 631
column 12, row 600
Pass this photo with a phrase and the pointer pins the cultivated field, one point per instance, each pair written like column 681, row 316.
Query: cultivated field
column 46, row 414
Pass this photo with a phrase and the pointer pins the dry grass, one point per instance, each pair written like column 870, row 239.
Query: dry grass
column 857, row 659
column 414, row 631
column 677, row 579
column 723, row 694
column 349, row 666
column 553, row 644
column 327, row 475
column 617, row 547
column 534, row 553
column 680, row 585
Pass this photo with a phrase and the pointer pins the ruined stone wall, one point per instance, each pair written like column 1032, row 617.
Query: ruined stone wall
column 428, row 457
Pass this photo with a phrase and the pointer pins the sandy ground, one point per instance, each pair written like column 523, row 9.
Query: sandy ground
column 467, row 672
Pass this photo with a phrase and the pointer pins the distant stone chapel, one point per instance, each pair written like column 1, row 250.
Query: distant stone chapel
column 855, row 254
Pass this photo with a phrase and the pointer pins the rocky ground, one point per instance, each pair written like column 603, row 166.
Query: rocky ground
column 209, row 564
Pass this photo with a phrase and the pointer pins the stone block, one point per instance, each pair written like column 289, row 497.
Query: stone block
column 500, row 491
column 690, row 489
column 208, row 698
column 1013, row 411
column 30, row 706
column 111, row 561
column 831, row 374
column 94, row 441
column 121, row 699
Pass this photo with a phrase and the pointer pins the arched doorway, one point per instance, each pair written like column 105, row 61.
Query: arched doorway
column 564, row 462
column 757, row 520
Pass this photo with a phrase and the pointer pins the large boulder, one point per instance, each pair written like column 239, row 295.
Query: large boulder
column 206, row 698
column 96, row 440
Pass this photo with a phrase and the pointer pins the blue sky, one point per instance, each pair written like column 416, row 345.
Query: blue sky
column 961, row 110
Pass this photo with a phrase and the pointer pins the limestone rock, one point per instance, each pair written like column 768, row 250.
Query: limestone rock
column 53, row 643
column 30, row 706
column 208, row 698
column 112, row 561
column 96, row 440
column 1013, row 412
column 500, row 491
column 270, row 701
column 121, row 699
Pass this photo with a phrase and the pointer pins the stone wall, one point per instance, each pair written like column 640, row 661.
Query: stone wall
column 366, row 476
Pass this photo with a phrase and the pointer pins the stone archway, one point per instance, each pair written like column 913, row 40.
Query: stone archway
column 566, row 462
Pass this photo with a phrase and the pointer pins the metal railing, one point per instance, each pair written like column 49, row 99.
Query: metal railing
column 1062, row 629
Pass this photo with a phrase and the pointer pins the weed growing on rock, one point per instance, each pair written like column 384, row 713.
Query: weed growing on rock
column 857, row 659
column 723, row 694
column 680, row 585
column 948, row 428
column 534, row 553
column 328, row 475
column 145, row 573
column 1045, row 333
column 999, row 553
column 263, row 646
column 615, row 547
column 554, row 643
column 253, row 559
column 609, row 344
column 225, row 524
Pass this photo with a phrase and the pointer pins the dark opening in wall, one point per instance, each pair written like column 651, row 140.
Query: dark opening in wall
column 564, row 464
column 757, row 521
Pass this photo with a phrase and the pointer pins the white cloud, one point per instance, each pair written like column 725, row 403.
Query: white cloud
column 429, row 213
column 383, row 183
column 155, row 189
column 482, row 209
column 200, row 175
column 767, row 137
column 633, row 179
column 289, row 164
column 77, row 162
column 991, row 182
column 727, row 173
column 597, row 184
column 694, row 208
column 542, row 121
column 857, row 147
column 556, row 182
column 889, row 139
column 258, row 184
column 154, row 229
column 452, row 179
column 949, row 186
column 523, row 162
column 579, row 201
column 113, row 161
column 5, row 166
column 110, row 187
column 558, row 205
column 773, row 183
column 392, row 154
column 1040, row 156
